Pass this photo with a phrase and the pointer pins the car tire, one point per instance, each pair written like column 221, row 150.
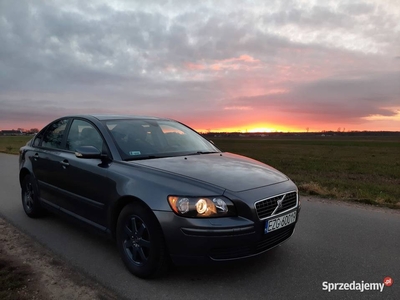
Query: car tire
column 30, row 197
column 141, row 242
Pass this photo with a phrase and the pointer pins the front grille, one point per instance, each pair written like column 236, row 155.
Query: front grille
column 270, row 240
column 266, row 207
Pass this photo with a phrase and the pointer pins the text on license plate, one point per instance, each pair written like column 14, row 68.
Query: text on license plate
column 279, row 222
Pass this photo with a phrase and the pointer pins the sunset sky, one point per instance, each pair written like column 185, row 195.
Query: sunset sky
column 214, row 65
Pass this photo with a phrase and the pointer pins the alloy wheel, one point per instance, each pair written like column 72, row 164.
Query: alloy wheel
column 137, row 240
column 29, row 196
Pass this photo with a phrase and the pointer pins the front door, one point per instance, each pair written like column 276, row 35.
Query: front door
column 84, row 181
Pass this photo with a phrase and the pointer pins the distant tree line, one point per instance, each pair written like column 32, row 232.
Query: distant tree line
column 303, row 134
column 19, row 131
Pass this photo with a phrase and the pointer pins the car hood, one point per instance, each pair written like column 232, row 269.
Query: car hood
column 226, row 170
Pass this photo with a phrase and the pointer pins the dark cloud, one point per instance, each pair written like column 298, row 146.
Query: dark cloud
column 358, row 8
column 192, row 60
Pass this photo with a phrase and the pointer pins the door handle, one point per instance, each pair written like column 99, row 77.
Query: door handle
column 36, row 156
column 64, row 163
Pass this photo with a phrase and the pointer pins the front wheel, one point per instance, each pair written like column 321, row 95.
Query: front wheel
column 30, row 197
column 141, row 242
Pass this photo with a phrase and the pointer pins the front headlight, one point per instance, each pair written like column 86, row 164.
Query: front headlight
column 200, row 207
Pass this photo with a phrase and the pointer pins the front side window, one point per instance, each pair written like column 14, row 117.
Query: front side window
column 83, row 133
column 54, row 134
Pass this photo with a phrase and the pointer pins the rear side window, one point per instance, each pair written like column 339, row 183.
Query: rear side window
column 54, row 134
column 38, row 139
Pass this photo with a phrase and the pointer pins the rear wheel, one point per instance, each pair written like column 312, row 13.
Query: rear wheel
column 30, row 197
column 141, row 242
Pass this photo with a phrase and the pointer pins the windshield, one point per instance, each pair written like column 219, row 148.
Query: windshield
column 140, row 139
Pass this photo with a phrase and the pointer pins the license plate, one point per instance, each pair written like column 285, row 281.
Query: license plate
column 279, row 222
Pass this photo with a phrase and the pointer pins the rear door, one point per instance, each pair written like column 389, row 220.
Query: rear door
column 46, row 161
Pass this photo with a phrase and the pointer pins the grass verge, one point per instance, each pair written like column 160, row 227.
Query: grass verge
column 366, row 171
column 11, row 144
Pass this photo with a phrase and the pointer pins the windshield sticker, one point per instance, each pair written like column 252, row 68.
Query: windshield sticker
column 134, row 153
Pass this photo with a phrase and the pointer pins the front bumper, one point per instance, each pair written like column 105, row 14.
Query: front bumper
column 221, row 239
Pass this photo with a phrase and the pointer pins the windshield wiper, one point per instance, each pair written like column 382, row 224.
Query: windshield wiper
column 205, row 152
column 202, row 152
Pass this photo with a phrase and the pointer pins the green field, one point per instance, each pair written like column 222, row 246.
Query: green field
column 356, row 169
column 11, row 144
column 360, row 170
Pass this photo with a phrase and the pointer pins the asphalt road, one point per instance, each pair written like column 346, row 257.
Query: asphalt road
column 334, row 243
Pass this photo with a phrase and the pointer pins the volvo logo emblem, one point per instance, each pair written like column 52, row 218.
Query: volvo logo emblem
column 278, row 205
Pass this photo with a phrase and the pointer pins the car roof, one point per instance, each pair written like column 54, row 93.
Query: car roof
column 105, row 117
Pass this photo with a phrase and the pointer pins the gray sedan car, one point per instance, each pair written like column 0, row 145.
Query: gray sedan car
column 161, row 190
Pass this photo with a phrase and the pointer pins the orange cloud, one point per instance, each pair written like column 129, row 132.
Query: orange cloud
column 238, row 108
column 192, row 66
column 248, row 58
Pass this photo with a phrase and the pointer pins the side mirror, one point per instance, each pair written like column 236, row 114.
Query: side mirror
column 87, row 152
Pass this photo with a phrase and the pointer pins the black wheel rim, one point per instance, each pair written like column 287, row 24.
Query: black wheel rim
column 137, row 240
column 29, row 196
